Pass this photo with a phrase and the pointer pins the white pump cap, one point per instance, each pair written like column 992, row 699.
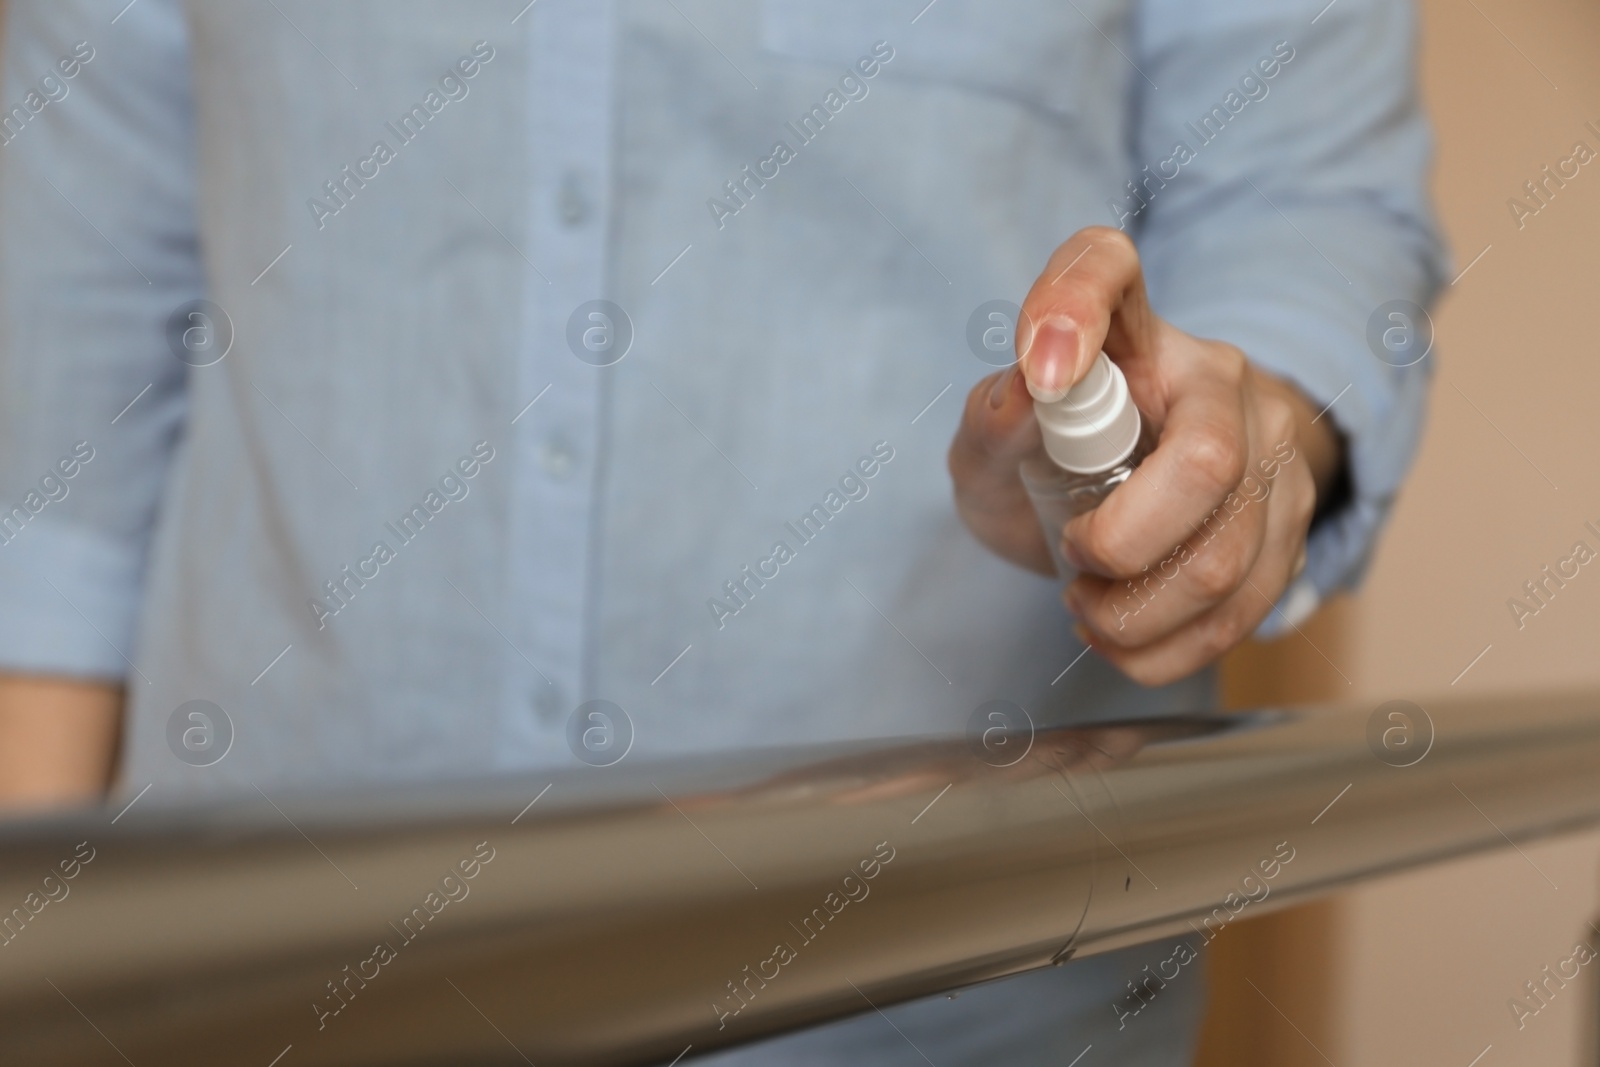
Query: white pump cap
column 1095, row 426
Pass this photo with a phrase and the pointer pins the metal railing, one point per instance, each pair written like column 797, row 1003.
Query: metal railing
column 636, row 911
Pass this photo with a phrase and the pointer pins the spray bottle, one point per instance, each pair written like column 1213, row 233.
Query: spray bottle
column 1091, row 440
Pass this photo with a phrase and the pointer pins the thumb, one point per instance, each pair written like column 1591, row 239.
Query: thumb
column 997, row 428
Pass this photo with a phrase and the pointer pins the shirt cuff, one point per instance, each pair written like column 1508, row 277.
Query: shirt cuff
column 69, row 598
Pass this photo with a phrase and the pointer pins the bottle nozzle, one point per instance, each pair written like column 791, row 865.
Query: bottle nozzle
column 1095, row 425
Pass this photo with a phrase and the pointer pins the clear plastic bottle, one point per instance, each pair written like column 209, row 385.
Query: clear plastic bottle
column 1091, row 440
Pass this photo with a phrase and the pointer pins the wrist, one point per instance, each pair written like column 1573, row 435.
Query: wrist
column 1317, row 438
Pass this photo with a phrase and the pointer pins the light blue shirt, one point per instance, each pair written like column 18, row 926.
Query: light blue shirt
column 427, row 503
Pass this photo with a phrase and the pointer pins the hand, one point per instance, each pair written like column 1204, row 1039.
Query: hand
column 1182, row 561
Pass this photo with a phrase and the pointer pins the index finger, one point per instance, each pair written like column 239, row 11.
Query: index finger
column 1089, row 297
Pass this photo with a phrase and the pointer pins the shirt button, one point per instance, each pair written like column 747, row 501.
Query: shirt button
column 547, row 705
column 573, row 202
column 555, row 457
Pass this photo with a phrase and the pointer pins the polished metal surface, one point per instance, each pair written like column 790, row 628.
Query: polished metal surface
column 636, row 911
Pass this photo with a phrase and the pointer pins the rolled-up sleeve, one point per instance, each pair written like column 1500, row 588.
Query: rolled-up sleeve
column 1295, row 210
column 97, row 250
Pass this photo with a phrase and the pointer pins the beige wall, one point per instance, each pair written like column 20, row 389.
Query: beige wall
column 1432, row 959
column 1419, row 969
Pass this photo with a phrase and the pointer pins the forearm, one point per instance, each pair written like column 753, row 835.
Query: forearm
column 71, row 581
column 58, row 740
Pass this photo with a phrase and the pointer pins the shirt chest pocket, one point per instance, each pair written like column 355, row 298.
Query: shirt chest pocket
column 1047, row 56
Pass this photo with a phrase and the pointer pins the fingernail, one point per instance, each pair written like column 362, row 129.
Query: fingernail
column 1081, row 632
column 1002, row 386
column 1053, row 359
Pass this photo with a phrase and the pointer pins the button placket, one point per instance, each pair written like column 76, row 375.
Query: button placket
column 569, row 118
column 574, row 203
